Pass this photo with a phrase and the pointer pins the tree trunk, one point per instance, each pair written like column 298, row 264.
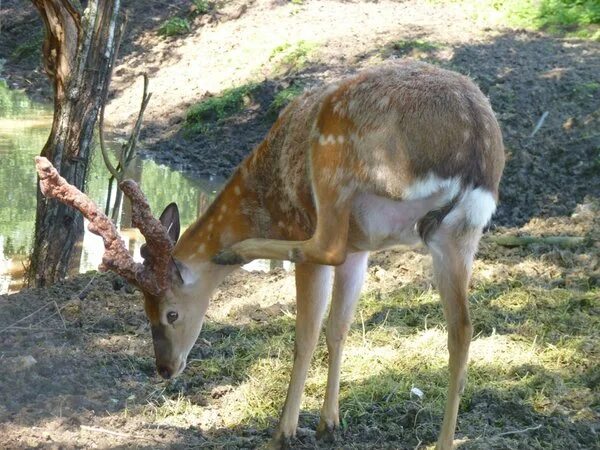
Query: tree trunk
column 78, row 58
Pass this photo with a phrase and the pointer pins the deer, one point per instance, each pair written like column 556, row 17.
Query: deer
column 402, row 154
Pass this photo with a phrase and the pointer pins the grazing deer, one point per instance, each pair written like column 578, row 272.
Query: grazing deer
column 400, row 154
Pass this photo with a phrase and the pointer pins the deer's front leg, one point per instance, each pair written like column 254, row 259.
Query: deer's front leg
column 333, row 203
column 348, row 282
column 326, row 247
column 313, row 285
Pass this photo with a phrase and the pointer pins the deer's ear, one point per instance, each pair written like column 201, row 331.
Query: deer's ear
column 182, row 273
column 170, row 220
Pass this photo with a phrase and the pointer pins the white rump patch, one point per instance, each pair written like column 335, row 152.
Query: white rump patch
column 476, row 207
column 432, row 184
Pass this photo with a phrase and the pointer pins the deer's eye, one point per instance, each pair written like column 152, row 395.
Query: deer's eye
column 172, row 316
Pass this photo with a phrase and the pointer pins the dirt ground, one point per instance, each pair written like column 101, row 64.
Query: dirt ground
column 77, row 357
column 79, row 370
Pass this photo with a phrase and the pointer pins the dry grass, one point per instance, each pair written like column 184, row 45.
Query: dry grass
column 534, row 357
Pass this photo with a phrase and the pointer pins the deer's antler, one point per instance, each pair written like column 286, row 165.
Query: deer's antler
column 153, row 276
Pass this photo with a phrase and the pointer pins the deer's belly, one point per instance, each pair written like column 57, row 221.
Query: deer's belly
column 378, row 222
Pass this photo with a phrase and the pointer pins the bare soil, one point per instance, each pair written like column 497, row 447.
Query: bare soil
column 91, row 382
column 78, row 368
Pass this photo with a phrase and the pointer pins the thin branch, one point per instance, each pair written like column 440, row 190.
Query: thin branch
column 520, row 241
column 524, row 430
column 60, row 315
column 109, row 165
column 78, row 295
column 83, row 293
column 111, row 180
column 111, row 168
column 13, row 325
column 116, row 433
column 130, row 150
column 105, row 431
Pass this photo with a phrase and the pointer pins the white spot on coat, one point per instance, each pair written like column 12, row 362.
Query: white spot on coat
column 432, row 184
column 475, row 207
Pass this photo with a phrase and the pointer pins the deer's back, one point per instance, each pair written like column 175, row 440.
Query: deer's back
column 403, row 128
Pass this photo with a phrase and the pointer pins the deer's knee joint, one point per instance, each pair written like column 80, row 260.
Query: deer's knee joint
column 314, row 254
column 296, row 255
column 332, row 257
column 336, row 336
column 461, row 330
column 337, row 258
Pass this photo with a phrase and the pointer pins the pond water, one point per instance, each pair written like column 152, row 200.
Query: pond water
column 24, row 128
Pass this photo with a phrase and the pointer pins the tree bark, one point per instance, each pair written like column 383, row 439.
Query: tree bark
column 78, row 54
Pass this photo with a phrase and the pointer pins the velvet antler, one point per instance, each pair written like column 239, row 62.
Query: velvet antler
column 153, row 276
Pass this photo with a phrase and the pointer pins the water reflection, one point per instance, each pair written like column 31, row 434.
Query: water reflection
column 24, row 128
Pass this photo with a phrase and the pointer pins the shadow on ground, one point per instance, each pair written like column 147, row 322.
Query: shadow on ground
column 95, row 368
column 524, row 74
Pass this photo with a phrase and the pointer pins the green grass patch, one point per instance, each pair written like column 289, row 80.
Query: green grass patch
column 590, row 89
column 200, row 7
column 413, row 48
column 215, row 109
column 284, row 97
column 289, row 58
column 175, row 26
column 406, row 46
column 579, row 18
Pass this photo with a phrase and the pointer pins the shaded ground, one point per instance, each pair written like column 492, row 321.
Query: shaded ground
column 534, row 381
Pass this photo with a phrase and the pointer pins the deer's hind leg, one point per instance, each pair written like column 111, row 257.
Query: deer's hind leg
column 453, row 250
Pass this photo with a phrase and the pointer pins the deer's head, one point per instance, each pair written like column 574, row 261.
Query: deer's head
column 175, row 296
column 175, row 312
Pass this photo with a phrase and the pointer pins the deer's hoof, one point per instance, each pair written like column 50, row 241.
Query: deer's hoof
column 326, row 432
column 280, row 442
column 228, row 257
column 448, row 445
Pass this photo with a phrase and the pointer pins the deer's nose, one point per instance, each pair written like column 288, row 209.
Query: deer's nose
column 164, row 372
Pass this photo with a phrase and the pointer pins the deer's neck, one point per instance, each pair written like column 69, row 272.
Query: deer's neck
column 233, row 216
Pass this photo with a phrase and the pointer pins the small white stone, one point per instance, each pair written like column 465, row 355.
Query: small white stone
column 417, row 392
